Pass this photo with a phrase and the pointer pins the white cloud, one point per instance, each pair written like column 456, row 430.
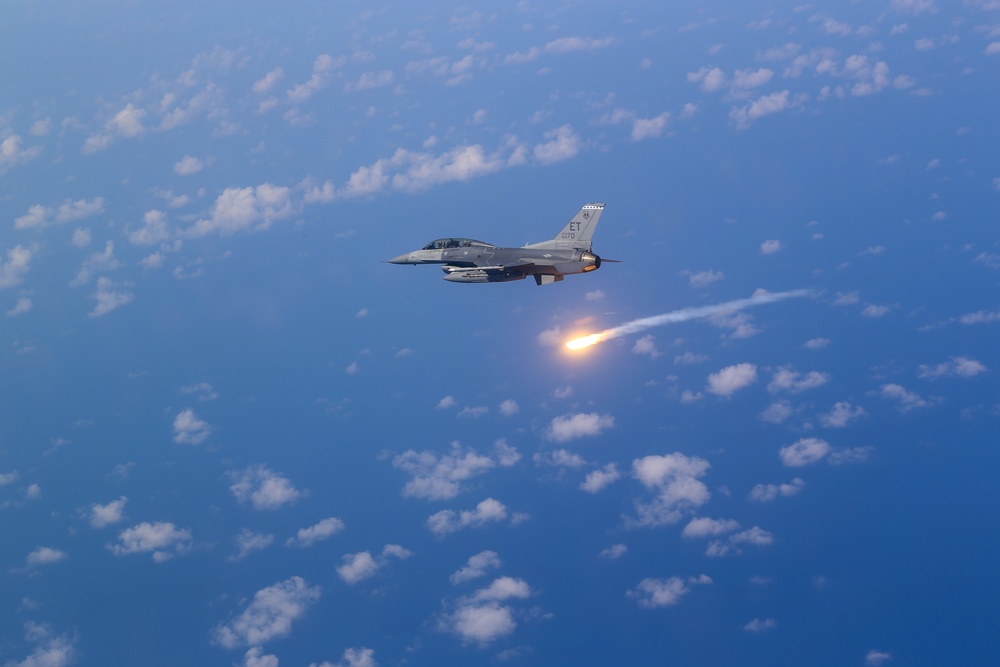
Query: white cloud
column 266, row 82
column 689, row 358
column 842, row 414
column 263, row 488
column 246, row 210
column 418, row 171
column 646, row 345
column 767, row 492
column 742, row 117
column 731, row 379
column 68, row 211
column 188, row 429
column 370, row 80
column 473, row 412
column 49, row 650
column 45, row 556
column 703, row 278
column 980, row 317
column 850, row 455
column 476, row 567
column 23, row 305
column 649, row 128
column 579, row 425
column 109, row 297
column 481, row 617
column 105, row 515
column 558, row 46
column 482, row 623
column 269, row 615
column 614, row 551
column 81, row 238
column 559, row 458
column 598, row 480
column 13, row 270
column 437, row 477
column 449, row 521
column 760, row 625
column 323, row 68
column 563, row 143
column 8, row 477
column 554, row 336
column 817, row 343
column 876, row 658
column 755, row 536
column 804, row 452
column 353, row 657
column 711, row 80
column 741, row 324
column 770, row 247
column 446, row 402
column 248, row 541
column 905, row 400
column 964, row 367
column 509, row 407
column 502, row 589
column 873, row 310
column 325, row 529
column 98, row 261
column 674, row 479
column 189, row 165
column 12, row 154
column 846, row 299
column 362, row 565
column 913, row 6
column 569, row 44
column 321, row 194
column 785, row 379
column 778, row 412
column 745, row 79
column 357, row 567
column 255, row 657
column 153, row 261
column 127, row 123
column 705, row 527
column 204, row 390
column 162, row 538
column 655, row 593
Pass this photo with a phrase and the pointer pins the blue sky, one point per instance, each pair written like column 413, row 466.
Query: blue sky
column 231, row 434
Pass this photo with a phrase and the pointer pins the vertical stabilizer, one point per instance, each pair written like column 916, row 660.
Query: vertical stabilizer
column 578, row 232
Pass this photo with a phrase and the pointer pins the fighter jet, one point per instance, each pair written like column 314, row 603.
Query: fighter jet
column 472, row 261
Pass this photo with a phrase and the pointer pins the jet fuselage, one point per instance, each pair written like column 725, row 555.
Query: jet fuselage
column 467, row 260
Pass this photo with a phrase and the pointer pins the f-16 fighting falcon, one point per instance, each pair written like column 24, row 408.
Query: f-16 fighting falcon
column 471, row 261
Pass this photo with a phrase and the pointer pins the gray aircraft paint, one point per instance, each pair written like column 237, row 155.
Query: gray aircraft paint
column 470, row 261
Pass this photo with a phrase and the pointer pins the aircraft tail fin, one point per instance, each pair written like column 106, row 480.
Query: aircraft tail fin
column 578, row 232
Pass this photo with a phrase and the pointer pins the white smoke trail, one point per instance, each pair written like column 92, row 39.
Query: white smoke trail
column 683, row 315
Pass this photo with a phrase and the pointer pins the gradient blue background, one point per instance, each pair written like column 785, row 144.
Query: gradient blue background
column 299, row 351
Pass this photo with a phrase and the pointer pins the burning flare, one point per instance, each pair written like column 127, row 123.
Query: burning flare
column 583, row 341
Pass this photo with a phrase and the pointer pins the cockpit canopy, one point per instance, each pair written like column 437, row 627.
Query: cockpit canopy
column 441, row 244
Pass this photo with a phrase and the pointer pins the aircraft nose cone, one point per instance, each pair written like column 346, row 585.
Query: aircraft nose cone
column 402, row 259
